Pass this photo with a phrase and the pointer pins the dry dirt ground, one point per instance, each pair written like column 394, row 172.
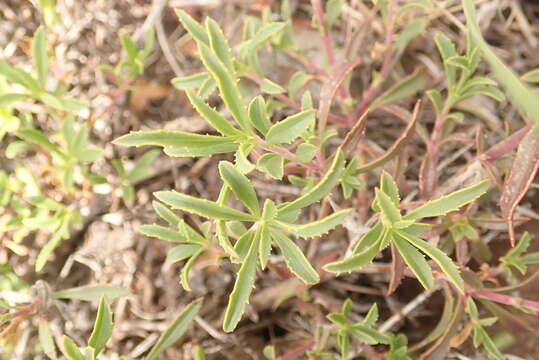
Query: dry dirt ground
column 107, row 248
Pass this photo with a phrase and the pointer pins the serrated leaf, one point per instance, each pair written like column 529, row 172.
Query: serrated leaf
column 194, row 28
column 161, row 233
column 387, row 207
column 189, row 82
column 258, row 115
column 321, row 189
column 436, row 98
column 239, row 298
column 448, row 203
column 91, row 292
column 240, row 186
column 264, row 250
column 39, row 55
column 444, row 262
column 171, row 139
column 102, row 327
column 216, row 120
column 175, row 330
column 295, row 259
column 202, row 207
column 71, row 350
column 416, row 261
column 219, row 44
column 372, row 316
column 271, row 164
column 357, row 260
column 285, row 131
column 259, row 38
column 317, row 228
column 447, row 50
column 228, row 88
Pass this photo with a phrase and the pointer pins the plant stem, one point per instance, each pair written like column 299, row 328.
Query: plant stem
column 386, row 65
column 505, row 299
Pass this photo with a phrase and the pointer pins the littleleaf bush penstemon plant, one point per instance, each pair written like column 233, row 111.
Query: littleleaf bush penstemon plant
column 247, row 237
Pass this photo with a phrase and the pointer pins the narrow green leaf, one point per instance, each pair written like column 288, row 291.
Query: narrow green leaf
column 129, row 46
column 371, row 242
column 184, row 274
column 258, row 115
column 387, row 207
column 486, row 90
column 408, row 86
column 296, row 82
column 193, row 28
column 37, row 137
column 7, row 100
column 165, row 213
column 226, row 82
column 219, row 44
column 445, row 263
column 71, row 350
column 317, row 228
column 240, row 186
column 202, row 207
column 19, row 76
column 447, row 50
column 321, row 189
column 264, row 250
column 258, row 39
column 49, row 247
column 416, row 261
column 91, row 292
column 287, row 130
column 531, row 76
column 239, row 298
column 102, row 327
column 172, row 139
column 142, row 168
column 175, row 331
column 189, row 82
column 161, row 233
column 295, row 259
column 448, row 203
column 212, row 116
column 409, row 32
column 46, row 340
column 521, row 96
column 39, row 55
column 207, row 150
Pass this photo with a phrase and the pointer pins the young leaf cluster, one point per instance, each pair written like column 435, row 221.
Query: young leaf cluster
column 404, row 233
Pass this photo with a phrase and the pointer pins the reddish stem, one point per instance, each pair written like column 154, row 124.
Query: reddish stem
column 386, row 65
column 326, row 39
column 505, row 299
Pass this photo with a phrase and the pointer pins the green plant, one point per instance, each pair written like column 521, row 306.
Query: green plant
column 403, row 232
